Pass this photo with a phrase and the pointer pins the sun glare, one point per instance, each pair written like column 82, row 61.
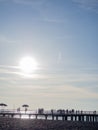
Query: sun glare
column 28, row 65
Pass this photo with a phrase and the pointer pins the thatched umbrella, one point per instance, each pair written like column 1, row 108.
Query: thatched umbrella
column 3, row 105
column 25, row 106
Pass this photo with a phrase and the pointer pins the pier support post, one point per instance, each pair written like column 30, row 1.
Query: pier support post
column 93, row 119
column 46, row 117
column 12, row 115
column 52, row 117
column 56, row 117
column 82, row 118
column 75, row 118
column 87, row 118
column 3, row 115
column 29, row 116
column 79, row 118
column 71, row 117
column 65, row 118
column 97, row 118
column 36, row 116
column 90, row 118
column 20, row 115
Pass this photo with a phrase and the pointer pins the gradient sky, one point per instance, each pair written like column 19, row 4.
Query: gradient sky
column 62, row 35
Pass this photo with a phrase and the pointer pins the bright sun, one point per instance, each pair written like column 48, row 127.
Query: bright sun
column 28, row 65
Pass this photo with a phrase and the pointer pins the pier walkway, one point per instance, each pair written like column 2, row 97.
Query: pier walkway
column 88, row 116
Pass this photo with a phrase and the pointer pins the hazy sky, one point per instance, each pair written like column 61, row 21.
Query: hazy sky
column 62, row 35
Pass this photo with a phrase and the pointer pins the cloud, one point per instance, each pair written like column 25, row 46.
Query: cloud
column 74, row 92
column 88, row 4
column 6, row 41
column 53, row 83
column 46, row 11
column 52, row 19
column 33, row 3
column 3, row 0
column 50, row 86
column 51, row 75
column 36, row 4
column 25, row 1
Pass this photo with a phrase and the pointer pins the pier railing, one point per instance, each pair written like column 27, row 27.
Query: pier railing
column 90, row 116
column 49, row 112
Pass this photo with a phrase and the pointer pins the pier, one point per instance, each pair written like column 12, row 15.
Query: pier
column 87, row 116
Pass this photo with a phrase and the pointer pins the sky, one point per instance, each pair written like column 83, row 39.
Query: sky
column 61, row 35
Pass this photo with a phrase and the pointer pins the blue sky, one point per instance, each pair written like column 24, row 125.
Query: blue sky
column 62, row 36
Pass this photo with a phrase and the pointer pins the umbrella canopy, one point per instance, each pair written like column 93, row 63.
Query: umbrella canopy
column 25, row 105
column 3, row 104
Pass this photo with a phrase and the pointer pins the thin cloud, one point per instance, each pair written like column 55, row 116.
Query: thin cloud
column 50, row 75
column 70, row 92
column 3, row 0
column 9, row 66
column 36, row 3
column 50, row 80
column 88, row 4
column 40, row 6
column 7, row 41
column 53, row 20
